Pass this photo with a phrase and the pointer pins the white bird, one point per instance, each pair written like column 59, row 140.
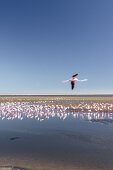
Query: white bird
column 73, row 80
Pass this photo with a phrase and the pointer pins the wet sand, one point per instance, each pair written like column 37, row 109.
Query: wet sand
column 42, row 152
column 57, row 144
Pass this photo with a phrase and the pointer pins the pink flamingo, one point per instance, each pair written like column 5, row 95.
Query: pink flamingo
column 73, row 80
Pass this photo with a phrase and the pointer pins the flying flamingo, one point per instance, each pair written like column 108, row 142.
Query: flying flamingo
column 73, row 80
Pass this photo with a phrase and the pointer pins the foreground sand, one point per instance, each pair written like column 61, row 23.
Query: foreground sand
column 55, row 151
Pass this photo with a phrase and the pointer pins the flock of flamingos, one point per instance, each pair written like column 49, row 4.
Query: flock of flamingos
column 42, row 111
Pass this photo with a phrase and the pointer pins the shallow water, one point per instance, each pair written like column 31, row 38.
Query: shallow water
column 36, row 138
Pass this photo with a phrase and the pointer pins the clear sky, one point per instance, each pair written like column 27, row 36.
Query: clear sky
column 43, row 42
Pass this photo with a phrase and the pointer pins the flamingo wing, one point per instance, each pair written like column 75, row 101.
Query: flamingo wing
column 74, row 76
column 72, row 84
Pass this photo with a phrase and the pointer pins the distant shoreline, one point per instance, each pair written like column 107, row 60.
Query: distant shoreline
column 56, row 95
column 56, row 98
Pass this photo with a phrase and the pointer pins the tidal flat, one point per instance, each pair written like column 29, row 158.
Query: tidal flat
column 56, row 132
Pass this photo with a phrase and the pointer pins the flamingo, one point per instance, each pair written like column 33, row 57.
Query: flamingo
column 73, row 79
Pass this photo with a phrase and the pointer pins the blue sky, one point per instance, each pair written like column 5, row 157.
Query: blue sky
column 43, row 42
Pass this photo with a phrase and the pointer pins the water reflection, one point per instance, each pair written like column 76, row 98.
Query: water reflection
column 41, row 112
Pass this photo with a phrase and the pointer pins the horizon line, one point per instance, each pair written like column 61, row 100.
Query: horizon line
column 54, row 94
